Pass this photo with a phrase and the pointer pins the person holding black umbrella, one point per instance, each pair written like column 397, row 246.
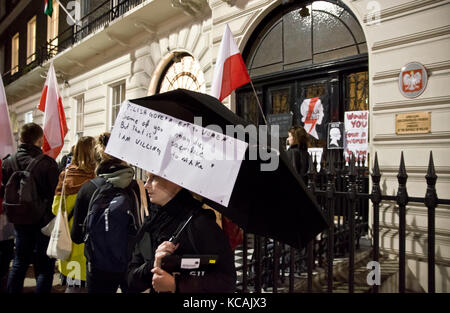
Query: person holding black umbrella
column 179, row 213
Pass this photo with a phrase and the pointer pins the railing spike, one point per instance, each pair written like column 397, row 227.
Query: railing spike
column 431, row 172
column 376, row 168
column 331, row 169
column 402, row 176
column 312, row 167
column 352, row 165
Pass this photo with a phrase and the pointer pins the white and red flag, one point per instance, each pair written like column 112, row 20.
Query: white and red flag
column 55, row 126
column 230, row 71
column 7, row 143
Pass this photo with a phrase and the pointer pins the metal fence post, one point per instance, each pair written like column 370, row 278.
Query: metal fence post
column 244, row 263
column 330, row 194
column 312, row 173
column 376, row 199
column 351, row 196
column 402, row 201
column 431, row 200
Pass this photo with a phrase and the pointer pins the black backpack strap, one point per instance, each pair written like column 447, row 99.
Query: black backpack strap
column 34, row 162
column 97, row 183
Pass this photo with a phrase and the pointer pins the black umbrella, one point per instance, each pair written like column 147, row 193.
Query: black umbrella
column 269, row 203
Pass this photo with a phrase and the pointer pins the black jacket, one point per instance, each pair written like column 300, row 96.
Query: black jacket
column 46, row 174
column 84, row 195
column 206, row 235
column 299, row 158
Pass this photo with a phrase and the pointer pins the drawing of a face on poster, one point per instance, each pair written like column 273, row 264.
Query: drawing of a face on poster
column 335, row 135
column 312, row 115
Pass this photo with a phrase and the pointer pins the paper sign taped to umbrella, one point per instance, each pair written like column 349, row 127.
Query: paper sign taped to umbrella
column 201, row 160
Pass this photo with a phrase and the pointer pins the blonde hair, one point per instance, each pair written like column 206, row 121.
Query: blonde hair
column 83, row 154
column 100, row 146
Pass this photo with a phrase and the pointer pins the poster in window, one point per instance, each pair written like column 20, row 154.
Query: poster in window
column 335, row 135
column 314, row 113
column 356, row 134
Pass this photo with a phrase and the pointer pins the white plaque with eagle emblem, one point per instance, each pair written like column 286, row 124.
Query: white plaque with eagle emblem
column 412, row 80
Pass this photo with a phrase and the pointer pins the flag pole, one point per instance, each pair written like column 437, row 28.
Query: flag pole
column 259, row 104
column 65, row 10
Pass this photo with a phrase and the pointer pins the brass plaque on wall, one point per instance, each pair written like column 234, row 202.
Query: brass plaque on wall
column 413, row 123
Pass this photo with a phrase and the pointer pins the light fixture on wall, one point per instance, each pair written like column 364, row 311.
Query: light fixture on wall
column 304, row 11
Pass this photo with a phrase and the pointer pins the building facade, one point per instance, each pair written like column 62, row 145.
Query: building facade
column 348, row 52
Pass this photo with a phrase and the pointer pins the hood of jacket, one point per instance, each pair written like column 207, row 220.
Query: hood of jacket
column 74, row 179
column 120, row 178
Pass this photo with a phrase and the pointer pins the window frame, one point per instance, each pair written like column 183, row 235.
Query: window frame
column 15, row 41
column 114, row 108
column 52, row 30
column 28, row 117
column 31, row 40
column 79, row 115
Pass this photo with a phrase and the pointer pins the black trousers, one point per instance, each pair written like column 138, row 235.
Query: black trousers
column 6, row 255
column 105, row 282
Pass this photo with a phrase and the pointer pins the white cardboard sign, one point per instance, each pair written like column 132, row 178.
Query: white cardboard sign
column 356, row 134
column 198, row 159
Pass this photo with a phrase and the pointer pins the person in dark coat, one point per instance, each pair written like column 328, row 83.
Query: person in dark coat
column 30, row 242
column 202, row 236
column 298, row 150
column 120, row 174
column 66, row 159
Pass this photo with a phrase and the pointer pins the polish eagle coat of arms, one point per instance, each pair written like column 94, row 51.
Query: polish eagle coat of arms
column 412, row 80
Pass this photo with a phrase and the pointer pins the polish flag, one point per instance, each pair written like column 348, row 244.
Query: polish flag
column 230, row 71
column 7, row 143
column 55, row 127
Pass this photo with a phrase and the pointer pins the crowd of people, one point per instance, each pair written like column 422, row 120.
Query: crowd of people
column 112, row 246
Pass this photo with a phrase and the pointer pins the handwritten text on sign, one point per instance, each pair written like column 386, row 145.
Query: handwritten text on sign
column 356, row 134
column 196, row 158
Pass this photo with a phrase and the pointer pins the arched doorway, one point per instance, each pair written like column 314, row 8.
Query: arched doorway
column 304, row 50
column 182, row 71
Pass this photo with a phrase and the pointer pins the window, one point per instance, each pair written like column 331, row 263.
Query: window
column 183, row 72
column 31, row 40
column 80, row 116
column 52, row 30
column 305, row 50
column 28, row 117
column 303, row 36
column 357, row 91
column 117, row 97
column 15, row 54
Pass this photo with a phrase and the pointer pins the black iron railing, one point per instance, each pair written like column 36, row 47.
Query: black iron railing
column 89, row 24
column 342, row 191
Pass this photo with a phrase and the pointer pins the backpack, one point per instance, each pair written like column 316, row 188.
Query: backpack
column 21, row 201
column 109, row 227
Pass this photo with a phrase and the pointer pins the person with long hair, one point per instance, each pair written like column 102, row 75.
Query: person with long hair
column 119, row 174
column 79, row 171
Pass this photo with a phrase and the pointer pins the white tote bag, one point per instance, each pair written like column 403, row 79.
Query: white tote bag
column 60, row 245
